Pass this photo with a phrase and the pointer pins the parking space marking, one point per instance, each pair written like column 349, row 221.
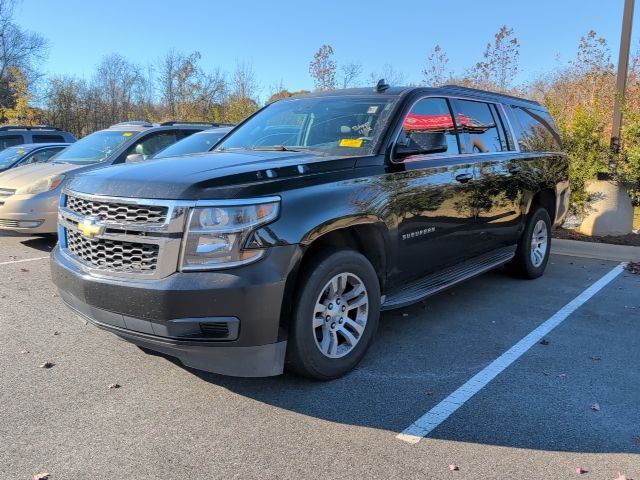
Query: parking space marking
column 438, row 414
column 24, row 260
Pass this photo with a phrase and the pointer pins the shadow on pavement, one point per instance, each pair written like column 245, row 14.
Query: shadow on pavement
column 424, row 352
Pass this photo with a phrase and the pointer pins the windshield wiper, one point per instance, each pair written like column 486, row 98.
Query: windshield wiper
column 280, row 148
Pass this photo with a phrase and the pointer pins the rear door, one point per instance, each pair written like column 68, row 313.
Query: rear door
column 498, row 207
column 431, row 195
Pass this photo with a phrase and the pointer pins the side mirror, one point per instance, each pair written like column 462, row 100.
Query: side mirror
column 134, row 158
column 421, row 143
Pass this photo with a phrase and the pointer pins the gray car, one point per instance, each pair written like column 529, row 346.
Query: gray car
column 12, row 135
column 29, row 194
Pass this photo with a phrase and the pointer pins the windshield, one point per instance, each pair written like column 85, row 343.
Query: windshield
column 94, row 148
column 346, row 125
column 196, row 143
column 10, row 155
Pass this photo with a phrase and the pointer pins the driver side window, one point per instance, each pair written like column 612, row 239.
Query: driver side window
column 152, row 144
column 429, row 127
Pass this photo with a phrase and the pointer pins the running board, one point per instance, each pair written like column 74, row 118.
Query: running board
column 434, row 283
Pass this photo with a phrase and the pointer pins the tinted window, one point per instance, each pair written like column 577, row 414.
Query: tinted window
column 152, row 144
column 478, row 121
column 196, row 143
column 47, row 138
column 10, row 141
column 538, row 131
column 429, row 126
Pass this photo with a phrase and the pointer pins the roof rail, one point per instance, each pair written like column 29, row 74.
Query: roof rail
column 133, row 123
column 477, row 91
column 208, row 124
column 29, row 127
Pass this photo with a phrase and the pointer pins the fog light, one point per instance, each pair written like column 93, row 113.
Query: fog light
column 30, row 223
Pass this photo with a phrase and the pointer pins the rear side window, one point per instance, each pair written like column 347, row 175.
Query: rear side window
column 483, row 127
column 429, row 126
column 538, row 132
column 47, row 138
column 10, row 141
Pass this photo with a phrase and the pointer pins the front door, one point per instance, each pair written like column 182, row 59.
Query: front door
column 432, row 194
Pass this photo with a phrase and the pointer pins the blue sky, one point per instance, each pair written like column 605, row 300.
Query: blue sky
column 279, row 38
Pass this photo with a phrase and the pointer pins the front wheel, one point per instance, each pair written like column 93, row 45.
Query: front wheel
column 336, row 315
column 533, row 249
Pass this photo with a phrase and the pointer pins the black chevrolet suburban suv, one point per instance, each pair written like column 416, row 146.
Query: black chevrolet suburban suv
column 281, row 247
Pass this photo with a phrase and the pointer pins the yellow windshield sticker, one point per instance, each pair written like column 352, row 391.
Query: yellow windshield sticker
column 127, row 134
column 20, row 152
column 351, row 142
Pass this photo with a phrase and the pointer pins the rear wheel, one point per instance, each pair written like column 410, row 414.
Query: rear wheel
column 533, row 250
column 336, row 315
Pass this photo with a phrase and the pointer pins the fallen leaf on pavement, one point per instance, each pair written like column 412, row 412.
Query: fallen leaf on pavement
column 56, row 332
column 595, row 407
column 633, row 267
column 580, row 470
column 41, row 476
column 113, row 385
column 47, row 365
column 24, row 269
column 24, row 352
column 544, row 341
column 453, row 467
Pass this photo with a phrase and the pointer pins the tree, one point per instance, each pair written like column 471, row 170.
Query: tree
column 243, row 100
column 435, row 73
column 20, row 53
column 323, row 69
column 350, row 74
column 21, row 112
column 500, row 62
column 390, row 75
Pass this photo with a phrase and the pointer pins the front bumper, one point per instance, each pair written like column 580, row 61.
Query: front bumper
column 40, row 209
column 165, row 314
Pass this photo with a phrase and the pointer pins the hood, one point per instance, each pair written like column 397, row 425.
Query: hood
column 198, row 176
column 15, row 178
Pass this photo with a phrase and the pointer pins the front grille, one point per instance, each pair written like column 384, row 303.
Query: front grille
column 113, row 255
column 117, row 212
column 215, row 330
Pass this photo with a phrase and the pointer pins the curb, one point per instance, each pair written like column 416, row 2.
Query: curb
column 600, row 251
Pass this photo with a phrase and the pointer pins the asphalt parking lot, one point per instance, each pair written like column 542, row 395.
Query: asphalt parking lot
column 533, row 420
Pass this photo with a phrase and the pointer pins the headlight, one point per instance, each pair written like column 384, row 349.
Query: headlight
column 217, row 235
column 45, row 184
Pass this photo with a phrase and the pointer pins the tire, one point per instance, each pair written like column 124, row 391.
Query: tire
column 527, row 264
column 330, row 284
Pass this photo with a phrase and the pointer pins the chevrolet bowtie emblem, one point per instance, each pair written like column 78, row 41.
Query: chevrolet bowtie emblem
column 90, row 227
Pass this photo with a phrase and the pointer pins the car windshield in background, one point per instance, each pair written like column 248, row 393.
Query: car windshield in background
column 10, row 155
column 196, row 143
column 346, row 125
column 94, row 148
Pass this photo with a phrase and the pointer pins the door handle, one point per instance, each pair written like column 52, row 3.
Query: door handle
column 464, row 177
column 513, row 169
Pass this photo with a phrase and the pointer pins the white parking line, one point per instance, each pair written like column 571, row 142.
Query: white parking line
column 438, row 414
column 24, row 260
